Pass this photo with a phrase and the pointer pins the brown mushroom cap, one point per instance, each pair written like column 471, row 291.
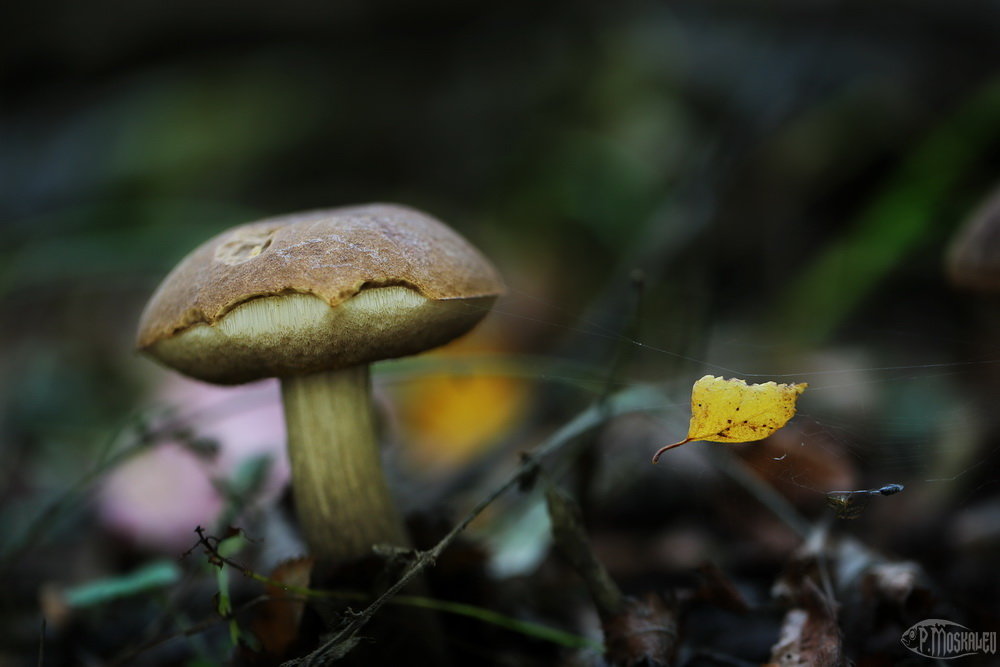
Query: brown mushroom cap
column 317, row 291
column 973, row 259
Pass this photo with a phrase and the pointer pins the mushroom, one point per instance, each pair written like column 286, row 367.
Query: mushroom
column 973, row 259
column 313, row 299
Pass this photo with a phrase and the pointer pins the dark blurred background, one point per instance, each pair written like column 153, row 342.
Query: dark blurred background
column 785, row 176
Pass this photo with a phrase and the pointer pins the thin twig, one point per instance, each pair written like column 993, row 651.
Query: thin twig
column 586, row 463
column 762, row 491
column 41, row 645
column 210, row 544
column 142, row 439
column 572, row 542
column 630, row 400
column 28, row 538
column 195, row 629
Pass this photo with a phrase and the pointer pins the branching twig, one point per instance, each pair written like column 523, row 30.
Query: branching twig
column 629, row 400
column 210, row 544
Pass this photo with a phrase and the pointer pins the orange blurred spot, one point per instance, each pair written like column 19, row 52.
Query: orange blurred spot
column 450, row 418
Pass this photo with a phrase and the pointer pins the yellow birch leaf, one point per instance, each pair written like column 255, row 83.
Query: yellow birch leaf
column 734, row 411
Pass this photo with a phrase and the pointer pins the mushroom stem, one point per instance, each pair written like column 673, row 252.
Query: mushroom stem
column 341, row 497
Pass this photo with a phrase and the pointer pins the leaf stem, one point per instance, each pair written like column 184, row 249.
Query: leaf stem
column 659, row 452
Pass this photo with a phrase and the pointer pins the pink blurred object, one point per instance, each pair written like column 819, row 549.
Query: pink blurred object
column 156, row 499
column 246, row 421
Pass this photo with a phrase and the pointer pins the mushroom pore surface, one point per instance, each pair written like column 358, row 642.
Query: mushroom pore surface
column 296, row 334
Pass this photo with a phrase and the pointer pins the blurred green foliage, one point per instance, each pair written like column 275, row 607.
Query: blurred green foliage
column 902, row 216
column 152, row 575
